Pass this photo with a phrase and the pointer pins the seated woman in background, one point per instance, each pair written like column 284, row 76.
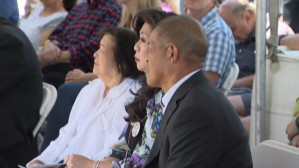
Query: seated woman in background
column 145, row 112
column 43, row 20
column 96, row 119
column 75, row 80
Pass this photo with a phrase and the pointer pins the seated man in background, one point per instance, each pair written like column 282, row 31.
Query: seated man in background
column 74, row 41
column 198, row 122
column 221, row 51
column 240, row 16
column 20, row 96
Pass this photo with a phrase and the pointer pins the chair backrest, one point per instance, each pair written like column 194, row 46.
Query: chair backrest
column 275, row 154
column 230, row 79
column 49, row 98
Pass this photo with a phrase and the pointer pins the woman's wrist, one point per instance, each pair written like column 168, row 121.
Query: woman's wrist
column 97, row 165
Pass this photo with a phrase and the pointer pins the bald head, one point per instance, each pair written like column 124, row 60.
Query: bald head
column 236, row 7
column 240, row 16
column 185, row 33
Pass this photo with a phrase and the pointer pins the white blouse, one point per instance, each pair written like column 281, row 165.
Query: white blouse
column 94, row 124
column 35, row 24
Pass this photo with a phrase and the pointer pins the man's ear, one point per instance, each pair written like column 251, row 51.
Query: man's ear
column 247, row 17
column 172, row 53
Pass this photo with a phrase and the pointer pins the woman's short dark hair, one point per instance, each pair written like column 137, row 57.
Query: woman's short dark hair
column 123, row 50
column 137, row 109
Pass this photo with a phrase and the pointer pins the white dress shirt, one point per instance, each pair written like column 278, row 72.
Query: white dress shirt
column 166, row 98
column 94, row 124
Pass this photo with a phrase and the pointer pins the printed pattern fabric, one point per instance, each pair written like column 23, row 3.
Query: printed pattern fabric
column 143, row 147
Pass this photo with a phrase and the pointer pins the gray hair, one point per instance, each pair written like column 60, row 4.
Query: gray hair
column 242, row 6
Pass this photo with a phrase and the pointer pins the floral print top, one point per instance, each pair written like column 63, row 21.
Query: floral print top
column 137, row 158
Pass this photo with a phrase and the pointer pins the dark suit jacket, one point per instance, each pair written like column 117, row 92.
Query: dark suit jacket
column 20, row 86
column 200, row 128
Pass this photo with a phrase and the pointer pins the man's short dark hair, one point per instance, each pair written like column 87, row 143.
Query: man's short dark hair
column 186, row 33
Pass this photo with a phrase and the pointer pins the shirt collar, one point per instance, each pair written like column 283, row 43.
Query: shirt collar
column 115, row 91
column 209, row 16
column 166, row 98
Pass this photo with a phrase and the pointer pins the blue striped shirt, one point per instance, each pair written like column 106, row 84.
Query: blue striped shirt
column 221, row 51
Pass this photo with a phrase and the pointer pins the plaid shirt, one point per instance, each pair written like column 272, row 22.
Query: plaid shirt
column 78, row 33
column 221, row 51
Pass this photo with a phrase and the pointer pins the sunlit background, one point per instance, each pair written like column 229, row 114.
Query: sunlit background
column 21, row 4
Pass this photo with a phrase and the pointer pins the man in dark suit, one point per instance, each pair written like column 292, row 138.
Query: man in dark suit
column 200, row 128
column 20, row 96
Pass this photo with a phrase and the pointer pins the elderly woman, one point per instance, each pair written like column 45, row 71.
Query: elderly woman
column 145, row 112
column 96, row 119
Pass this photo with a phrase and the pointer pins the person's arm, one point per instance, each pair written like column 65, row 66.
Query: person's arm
column 35, row 162
column 194, row 140
column 291, row 41
column 48, row 153
column 78, row 76
column 49, row 28
column 246, row 82
column 220, row 55
column 79, row 161
column 292, row 129
column 213, row 76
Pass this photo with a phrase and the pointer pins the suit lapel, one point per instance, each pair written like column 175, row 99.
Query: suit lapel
column 170, row 109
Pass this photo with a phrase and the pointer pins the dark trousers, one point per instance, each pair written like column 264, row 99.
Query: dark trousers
column 59, row 115
column 18, row 154
column 55, row 75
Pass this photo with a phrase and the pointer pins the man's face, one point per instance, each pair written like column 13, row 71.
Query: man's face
column 157, row 60
column 198, row 4
column 240, row 27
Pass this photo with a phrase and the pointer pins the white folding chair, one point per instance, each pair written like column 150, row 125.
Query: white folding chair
column 49, row 98
column 230, row 79
column 275, row 154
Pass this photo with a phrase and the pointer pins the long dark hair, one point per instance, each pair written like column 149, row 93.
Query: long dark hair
column 137, row 109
